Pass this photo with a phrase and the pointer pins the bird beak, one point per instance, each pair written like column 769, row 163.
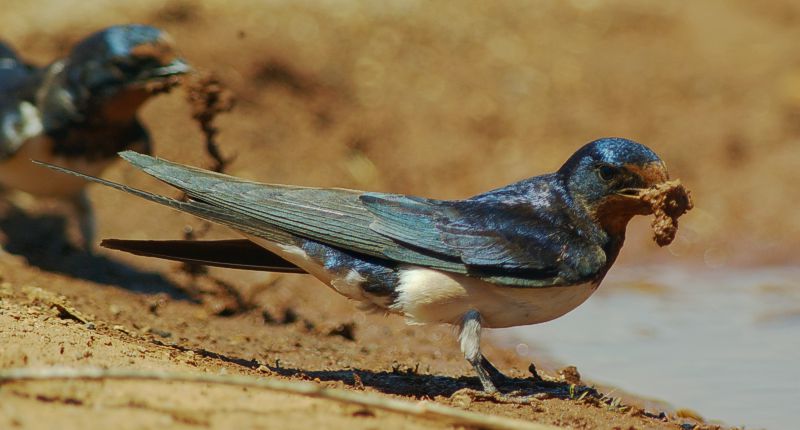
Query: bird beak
column 162, row 79
column 176, row 67
column 652, row 174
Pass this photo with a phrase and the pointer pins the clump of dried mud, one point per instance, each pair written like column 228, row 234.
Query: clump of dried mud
column 208, row 98
column 668, row 202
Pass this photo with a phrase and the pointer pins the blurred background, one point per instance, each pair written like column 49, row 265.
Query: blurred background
column 449, row 99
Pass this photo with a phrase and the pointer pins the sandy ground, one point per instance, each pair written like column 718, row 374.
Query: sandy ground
column 443, row 100
column 295, row 331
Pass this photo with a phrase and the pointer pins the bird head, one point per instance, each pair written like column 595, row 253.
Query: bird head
column 123, row 56
column 115, row 70
column 608, row 177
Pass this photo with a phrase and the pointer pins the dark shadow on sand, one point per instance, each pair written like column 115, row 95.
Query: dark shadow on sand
column 42, row 241
column 403, row 382
column 409, row 383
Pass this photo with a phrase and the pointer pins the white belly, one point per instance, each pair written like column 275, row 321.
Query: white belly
column 432, row 296
column 19, row 173
column 427, row 296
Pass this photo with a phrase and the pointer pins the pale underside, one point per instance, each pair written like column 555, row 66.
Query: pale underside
column 431, row 296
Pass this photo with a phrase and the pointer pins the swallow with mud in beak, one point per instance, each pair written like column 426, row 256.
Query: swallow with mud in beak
column 522, row 254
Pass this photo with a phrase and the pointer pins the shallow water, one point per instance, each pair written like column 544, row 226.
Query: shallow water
column 725, row 343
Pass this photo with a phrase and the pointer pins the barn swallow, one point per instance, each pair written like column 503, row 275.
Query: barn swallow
column 81, row 110
column 522, row 254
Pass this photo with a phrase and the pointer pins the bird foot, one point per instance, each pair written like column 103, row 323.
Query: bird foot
column 535, row 374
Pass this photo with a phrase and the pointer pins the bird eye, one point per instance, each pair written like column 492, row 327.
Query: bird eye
column 607, row 173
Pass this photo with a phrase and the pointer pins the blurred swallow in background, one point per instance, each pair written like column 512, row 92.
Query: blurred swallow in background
column 80, row 111
column 522, row 254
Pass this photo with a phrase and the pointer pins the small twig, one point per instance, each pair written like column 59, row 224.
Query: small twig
column 514, row 398
column 419, row 409
column 68, row 312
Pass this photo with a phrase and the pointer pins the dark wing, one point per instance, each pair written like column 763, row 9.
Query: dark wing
column 397, row 228
column 334, row 217
column 516, row 245
column 233, row 254
column 274, row 212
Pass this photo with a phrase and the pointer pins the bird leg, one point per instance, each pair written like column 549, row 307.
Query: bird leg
column 86, row 221
column 470, row 340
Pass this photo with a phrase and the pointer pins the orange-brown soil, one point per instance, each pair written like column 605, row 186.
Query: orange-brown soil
column 442, row 99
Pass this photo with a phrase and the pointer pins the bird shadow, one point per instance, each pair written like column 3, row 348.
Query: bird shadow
column 400, row 381
column 408, row 382
column 42, row 239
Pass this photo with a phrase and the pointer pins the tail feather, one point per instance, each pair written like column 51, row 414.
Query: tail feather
column 233, row 254
column 200, row 209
